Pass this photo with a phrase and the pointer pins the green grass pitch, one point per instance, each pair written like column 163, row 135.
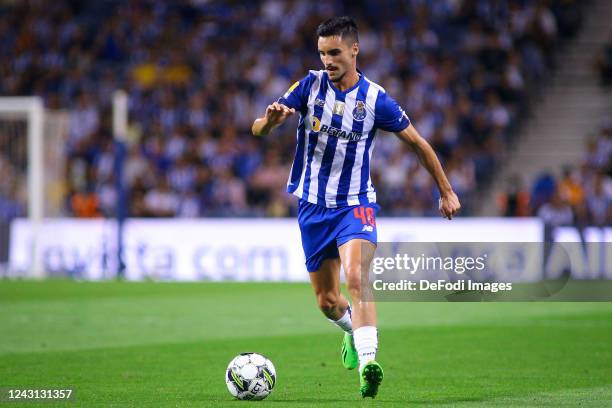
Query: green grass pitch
column 167, row 344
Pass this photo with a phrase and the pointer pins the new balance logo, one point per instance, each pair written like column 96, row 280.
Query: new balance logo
column 368, row 228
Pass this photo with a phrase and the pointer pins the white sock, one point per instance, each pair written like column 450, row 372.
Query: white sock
column 345, row 322
column 366, row 343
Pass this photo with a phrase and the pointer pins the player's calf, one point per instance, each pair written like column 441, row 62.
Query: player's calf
column 329, row 304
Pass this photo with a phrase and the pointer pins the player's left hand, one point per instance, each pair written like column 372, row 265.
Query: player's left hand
column 449, row 204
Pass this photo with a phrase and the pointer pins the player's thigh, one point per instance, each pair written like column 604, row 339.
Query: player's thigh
column 326, row 279
column 357, row 238
column 356, row 256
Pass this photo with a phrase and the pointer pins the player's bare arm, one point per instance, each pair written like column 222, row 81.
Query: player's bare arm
column 275, row 115
column 449, row 202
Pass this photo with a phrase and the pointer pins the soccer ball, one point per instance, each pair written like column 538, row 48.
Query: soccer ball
column 250, row 376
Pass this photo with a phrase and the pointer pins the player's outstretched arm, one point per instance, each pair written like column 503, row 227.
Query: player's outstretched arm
column 275, row 114
column 449, row 202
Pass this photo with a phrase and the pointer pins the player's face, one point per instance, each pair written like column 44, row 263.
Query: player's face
column 337, row 56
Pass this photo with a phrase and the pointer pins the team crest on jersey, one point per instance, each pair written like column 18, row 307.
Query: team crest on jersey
column 320, row 102
column 359, row 113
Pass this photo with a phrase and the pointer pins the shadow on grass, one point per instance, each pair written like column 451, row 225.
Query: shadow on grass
column 400, row 402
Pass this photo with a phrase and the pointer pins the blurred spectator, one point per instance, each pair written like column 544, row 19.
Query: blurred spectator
column 570, row 189
column 84, row 121
column 514, row 202
column 557, row 212
column 189, row 205
column 84, row 204
column 543, row 190
column 599, row 201
column 269, row 178
column 161, row 200
column 604, row 63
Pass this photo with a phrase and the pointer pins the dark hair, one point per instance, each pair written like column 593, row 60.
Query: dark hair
column 344, row 27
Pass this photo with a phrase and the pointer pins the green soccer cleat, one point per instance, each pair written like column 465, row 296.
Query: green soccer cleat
column 350, row 359
column 370, row 378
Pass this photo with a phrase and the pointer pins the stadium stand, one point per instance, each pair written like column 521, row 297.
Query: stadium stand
column 197, row 73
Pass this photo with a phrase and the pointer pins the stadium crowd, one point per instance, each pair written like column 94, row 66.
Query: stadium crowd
column 199, row 72
column 581, row 196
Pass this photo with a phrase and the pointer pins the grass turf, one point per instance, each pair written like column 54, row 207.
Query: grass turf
column 167, row 344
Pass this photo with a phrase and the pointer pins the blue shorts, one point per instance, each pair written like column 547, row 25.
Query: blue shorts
column 325, row 229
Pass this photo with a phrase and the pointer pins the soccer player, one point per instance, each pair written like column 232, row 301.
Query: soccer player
column 341, row 111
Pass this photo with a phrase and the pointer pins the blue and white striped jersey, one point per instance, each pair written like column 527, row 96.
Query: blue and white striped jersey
column 335, row 138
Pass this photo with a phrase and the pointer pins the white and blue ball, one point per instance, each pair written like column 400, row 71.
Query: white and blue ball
column 250, row 376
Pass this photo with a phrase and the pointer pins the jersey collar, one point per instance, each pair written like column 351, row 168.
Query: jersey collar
column 352, row 88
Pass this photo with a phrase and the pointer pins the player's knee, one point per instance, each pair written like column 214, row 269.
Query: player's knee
column 328, row 301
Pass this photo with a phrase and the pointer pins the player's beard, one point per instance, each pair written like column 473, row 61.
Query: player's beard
column 338, row 78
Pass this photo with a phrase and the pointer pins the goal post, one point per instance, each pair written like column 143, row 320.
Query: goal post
column 120, row 129
column 31, row 110
column 37, row 183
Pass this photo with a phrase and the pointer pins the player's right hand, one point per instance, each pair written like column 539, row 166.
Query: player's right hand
column 449, row 204
column 277, row 113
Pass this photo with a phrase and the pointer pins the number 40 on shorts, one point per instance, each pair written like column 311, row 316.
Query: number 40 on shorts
column 365, row 214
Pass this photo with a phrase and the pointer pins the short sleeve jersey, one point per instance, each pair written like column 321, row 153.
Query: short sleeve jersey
column 335, row 138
